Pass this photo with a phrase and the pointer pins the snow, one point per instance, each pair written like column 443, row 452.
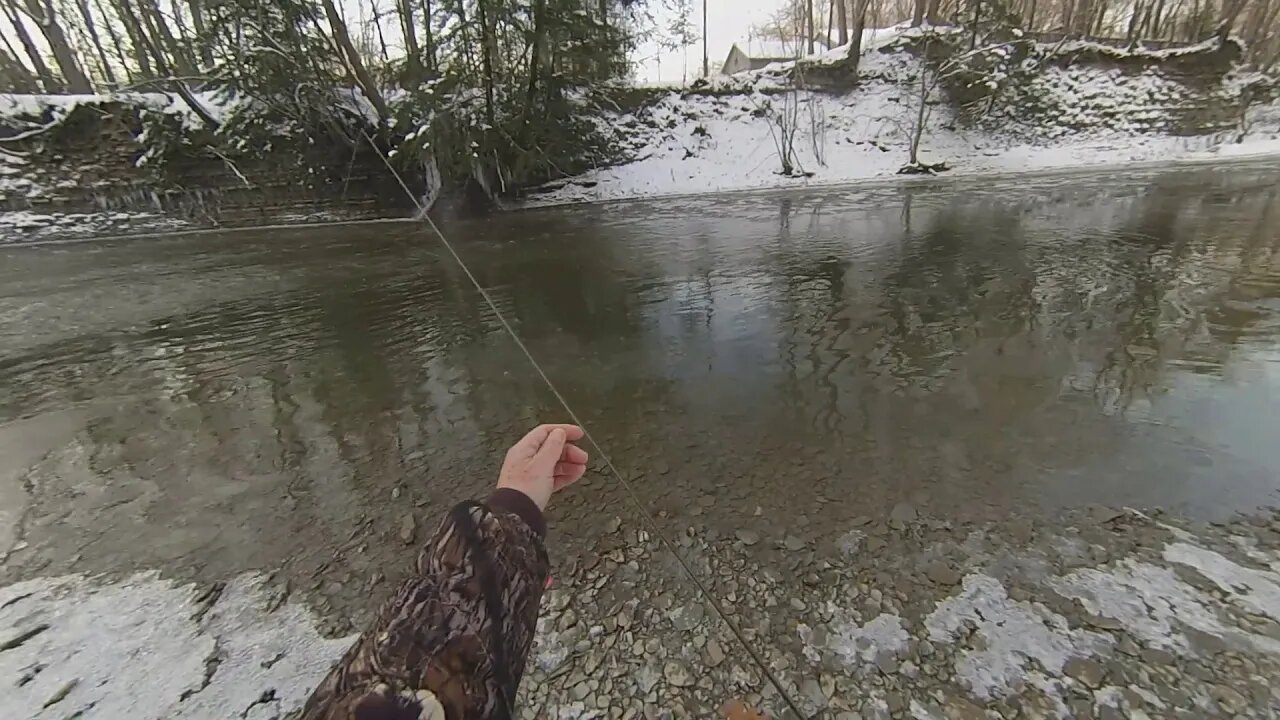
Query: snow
column 1014, row 635
column 719, row 140
column 153, row 628
column 862, row 643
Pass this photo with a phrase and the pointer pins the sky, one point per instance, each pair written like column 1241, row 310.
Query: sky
column 728, row 21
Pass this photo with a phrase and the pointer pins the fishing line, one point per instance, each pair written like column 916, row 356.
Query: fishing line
column 630, row 491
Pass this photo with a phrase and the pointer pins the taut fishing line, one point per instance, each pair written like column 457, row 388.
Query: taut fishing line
column 631, row 493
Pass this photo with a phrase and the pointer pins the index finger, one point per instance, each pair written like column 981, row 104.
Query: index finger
column 537, row 436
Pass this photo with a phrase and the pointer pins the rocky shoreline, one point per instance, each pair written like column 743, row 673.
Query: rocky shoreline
column 1104, row 614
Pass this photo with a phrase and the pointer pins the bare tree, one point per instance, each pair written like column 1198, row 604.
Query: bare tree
column 91, row 29
column 43, row 15
column 137, row 37
column 14, row 76
column 408, row 29
column 352, row 60
column 48, row 80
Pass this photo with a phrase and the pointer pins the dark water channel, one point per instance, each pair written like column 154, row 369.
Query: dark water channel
column 211, row 404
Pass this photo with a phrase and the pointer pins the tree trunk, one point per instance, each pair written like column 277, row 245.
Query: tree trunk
column 413, row 63
column 50, row 82
column 918, row 133
column 1230, row 12
column 855, row 33
column 977, row 15
column 133, row 27
column 358, row 71
column 91, row 27
column 535, row 67
column 377, row 27
column 16, row 77
column 168, row 51
column 486, row 58
column 706, row 64
column 202, row 39
column 842, row 18
column 917, row 13
column 1031, row 16
column 809, row 26
column 63, row 55
column 1155, row 19
column 1131, row 33
column 429, row 42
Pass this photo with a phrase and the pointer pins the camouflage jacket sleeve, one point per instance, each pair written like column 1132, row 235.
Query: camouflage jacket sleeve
column 451, row 643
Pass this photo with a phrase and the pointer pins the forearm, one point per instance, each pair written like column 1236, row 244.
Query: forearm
column 459, row 632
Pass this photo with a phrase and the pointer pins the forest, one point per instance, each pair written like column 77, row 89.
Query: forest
column 507, row 92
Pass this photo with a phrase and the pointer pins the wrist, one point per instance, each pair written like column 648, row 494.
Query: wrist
column 522, row 505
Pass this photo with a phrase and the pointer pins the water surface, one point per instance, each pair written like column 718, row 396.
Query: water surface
column 787, row 361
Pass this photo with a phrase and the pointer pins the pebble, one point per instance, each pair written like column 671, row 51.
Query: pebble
column 715, row 654
column 748, row 537
column 1088, row 672
column 942, row 573
column 408, row 529
column 886, row 662
column 1229, row 699
column 797, row 604
column 677, row 674
column 902, row 513
column 812, row 692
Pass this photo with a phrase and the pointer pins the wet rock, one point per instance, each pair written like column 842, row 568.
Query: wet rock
column 677, row 674
column 714, row 653
column 961, row 709
column 797, row 604
column 896, row 701
column 688, row 617
column 887, row 662
column 1088, row 672
column 1229, row 699
column 793, row 543
column 942, row 573
column 812, row 692
column 613, row 525
column 902, row 515
column 748, row 537
column 1156, row 656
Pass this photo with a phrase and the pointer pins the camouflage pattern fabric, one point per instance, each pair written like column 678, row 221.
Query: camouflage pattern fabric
column 451, row 643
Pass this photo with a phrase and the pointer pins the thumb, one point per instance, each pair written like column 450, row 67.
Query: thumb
column 549, row 454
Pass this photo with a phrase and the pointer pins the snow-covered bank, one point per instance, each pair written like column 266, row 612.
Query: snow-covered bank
column 1118, row 615
column 147, row 648
column 726, row 137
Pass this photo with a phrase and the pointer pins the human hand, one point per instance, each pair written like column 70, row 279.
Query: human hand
column 543, row 462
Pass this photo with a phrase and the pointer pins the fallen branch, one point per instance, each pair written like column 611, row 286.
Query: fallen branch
column 233, row 167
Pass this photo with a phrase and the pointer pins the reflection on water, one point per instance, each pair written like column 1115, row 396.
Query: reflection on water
column 285, row 398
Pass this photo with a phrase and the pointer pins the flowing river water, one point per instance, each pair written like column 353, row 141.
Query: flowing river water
column 786, row 379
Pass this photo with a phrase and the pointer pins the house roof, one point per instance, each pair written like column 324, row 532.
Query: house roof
column 772, row 49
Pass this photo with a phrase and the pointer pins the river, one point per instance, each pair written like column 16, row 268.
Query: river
column 787, row 362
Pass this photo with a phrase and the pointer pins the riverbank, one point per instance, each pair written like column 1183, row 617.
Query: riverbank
column 1104, row 613
column 1087, row 113
column 88, row 166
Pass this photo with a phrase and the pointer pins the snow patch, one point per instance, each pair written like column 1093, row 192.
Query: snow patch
column 1258, row 591
column 1154, row 605
column 1013, row 633
column 150, row 626
column 862, row 643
